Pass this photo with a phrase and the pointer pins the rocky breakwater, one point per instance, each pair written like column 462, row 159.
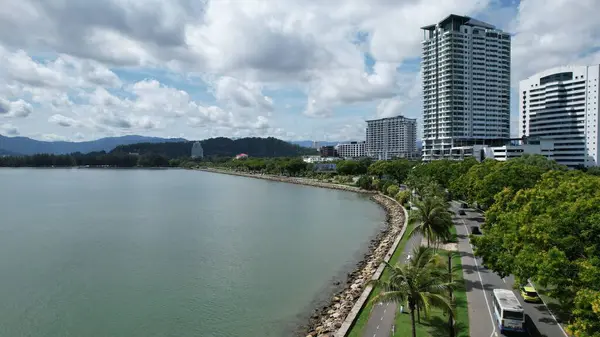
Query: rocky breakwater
column 290, row 180
column 325, row 321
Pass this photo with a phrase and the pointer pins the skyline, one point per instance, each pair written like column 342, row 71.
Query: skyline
column 236, row 68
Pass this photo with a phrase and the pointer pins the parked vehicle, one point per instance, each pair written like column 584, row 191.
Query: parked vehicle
column 475, row 230
column 462, row 212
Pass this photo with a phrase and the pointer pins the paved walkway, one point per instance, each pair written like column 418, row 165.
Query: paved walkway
column 383, row 315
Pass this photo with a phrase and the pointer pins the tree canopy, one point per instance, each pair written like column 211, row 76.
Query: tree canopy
column 550, row 233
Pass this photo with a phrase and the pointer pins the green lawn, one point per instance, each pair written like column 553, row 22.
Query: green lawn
column 436, row 325
column 359, row 324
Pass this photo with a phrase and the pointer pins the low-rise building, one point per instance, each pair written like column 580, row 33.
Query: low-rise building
column 351, row 150
column 501, row 150
column 318, row 159
column 328, row 151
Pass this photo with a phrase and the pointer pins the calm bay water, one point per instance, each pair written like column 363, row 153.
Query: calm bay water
column 140, row 253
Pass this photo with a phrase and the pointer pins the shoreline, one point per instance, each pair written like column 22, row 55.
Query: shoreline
column 327, row 320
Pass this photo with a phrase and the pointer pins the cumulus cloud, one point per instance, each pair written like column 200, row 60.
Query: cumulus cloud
column 9, row 129
column 242, row 94
column 18, row 108
column 62, row 120
column 254, row 53
column 389, row 108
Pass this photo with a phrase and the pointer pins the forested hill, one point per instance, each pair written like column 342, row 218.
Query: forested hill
column 222, row 147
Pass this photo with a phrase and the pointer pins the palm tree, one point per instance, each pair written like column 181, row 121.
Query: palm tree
column 432, row 218
column 422, row 283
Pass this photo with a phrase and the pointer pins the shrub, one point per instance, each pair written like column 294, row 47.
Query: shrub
column 403, row 196
column 392, row 190
column 365, row 182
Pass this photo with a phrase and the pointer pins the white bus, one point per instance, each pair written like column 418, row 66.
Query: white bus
column 508, row 310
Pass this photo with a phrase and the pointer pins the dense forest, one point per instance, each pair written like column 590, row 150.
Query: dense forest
column 221, row 147
column 168, row 154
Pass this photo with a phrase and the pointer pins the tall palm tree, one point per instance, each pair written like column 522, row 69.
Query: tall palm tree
column 421, row 283
column 432, row 219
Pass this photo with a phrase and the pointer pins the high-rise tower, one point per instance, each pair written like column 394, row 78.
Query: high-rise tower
column 466, row 85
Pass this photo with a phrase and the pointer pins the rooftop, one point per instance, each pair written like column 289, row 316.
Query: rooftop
column 382, row 119
column 463, row 20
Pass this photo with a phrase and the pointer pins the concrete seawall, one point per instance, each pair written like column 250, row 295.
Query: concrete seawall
column 336, row 318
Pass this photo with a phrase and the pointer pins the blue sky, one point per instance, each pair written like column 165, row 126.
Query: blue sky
column 289, row 69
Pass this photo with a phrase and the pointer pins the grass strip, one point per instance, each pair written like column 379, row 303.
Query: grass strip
column 436, row 325
column 363, row 316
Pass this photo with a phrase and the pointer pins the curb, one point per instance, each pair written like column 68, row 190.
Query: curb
column 360, row 303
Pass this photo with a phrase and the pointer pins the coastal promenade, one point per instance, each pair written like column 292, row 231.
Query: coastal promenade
column 335, row 318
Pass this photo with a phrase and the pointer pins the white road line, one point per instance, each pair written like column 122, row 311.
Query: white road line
column 481, row 281
column 550, row 311
column 381, row 318
column 378, row 327
column 374, row 334
column 384, row 310
column 503, row 280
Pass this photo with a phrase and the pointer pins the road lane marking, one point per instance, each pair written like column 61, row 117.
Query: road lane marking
column 503, row 280
column 481, row 282
column 381, row 318
column 378, row 327
column 384, row 310
column 550, row 311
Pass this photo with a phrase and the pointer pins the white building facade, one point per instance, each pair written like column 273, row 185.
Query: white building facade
column 351, row 150
column 466, row 85
column 561, row 104
column 197, row 150
column 393, row 137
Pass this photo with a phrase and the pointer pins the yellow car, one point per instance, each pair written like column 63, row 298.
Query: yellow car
column 529, row 294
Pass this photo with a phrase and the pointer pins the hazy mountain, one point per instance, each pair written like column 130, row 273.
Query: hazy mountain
column 28, row 146
column 223, row 147
column 4, row 152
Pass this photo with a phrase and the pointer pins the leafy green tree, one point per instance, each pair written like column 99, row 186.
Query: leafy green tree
column 422, row 284
column 365, row 183
column 392, row 190
column 403, row 196
column 347, row 167
column 432, row 219
column 550, row 233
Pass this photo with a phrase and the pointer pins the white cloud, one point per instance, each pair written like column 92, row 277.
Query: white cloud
column 62, row 120
column 242, row 94
column 553, row 33
column 389, row 108
column 252, row 54
column 18, row 108
column 9, row 129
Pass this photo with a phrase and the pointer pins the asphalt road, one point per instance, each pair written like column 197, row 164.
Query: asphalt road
column 383, row 315
column 480, row 282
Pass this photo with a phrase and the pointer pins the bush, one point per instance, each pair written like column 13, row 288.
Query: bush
column 382, row 185
column 365, row 182
column 402, row 197
column 392, row 190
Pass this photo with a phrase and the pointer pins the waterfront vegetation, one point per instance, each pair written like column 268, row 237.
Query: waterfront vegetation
column 423, row 283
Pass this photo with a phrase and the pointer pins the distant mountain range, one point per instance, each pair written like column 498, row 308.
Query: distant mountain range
column 28, row 146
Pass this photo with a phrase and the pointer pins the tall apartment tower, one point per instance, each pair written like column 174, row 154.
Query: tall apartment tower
column 393, row 137
column 466, row 85
column 561, row 104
